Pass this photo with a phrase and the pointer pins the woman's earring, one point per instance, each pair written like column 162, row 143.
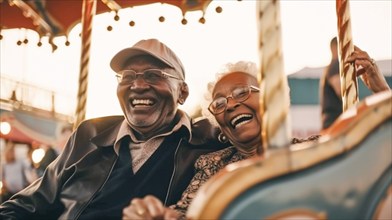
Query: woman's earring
column 222, row 138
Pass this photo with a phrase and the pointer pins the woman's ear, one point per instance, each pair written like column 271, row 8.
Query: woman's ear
column 184, row 93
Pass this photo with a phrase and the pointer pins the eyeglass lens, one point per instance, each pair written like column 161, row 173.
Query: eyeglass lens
column 149, row 76
column 238, row 94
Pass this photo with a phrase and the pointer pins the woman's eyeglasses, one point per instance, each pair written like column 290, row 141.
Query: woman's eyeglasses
column 151, row 76
column 239, row 94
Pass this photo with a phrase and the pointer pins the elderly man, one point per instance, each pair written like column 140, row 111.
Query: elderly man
column 111, row 160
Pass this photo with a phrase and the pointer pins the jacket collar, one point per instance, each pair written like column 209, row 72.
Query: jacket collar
column 107, row 137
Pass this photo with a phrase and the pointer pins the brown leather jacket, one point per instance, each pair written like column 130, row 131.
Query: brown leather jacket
column 71, row 181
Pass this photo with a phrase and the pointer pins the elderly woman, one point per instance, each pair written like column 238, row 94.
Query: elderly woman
column 234, row 105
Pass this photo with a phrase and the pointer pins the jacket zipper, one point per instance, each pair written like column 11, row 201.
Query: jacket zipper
column 174, row 171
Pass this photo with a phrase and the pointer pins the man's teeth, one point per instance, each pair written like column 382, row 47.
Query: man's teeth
column 142, row 102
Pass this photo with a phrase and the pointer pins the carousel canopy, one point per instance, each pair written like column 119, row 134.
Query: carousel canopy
column 55, row 18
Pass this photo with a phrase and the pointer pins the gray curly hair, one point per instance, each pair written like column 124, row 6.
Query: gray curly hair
column 240, row 66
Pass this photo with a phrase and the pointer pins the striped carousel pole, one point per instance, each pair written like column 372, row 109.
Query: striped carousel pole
column 348, row 79
column 88, row 12
column 274, row 96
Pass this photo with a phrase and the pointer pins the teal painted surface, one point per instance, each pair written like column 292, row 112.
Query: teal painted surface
column 42, row 125
column 305, row 91
column 346, row 187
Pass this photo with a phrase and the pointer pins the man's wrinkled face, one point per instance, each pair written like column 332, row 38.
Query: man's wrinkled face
column 150, row 107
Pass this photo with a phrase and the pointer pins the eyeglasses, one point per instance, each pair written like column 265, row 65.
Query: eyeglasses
column 151, row 76
column 239, row 94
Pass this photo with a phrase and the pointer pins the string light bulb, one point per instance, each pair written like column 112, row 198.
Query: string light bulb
column 184, row 21
column 202, row 20
column 5, row 128
column 116, row 17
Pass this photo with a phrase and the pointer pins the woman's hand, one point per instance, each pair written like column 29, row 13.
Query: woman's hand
column 148, row 208
column 367, row 69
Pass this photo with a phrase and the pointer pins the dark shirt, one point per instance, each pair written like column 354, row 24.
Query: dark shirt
column 331, row 103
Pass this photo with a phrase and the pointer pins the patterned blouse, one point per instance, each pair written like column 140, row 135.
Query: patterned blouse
column 206, row 166
column 209, row 164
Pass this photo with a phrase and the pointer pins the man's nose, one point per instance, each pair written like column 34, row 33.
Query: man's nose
column 139, row 83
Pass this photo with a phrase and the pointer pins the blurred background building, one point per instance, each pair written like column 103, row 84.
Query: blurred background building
column 305, row 97
column 31, row 133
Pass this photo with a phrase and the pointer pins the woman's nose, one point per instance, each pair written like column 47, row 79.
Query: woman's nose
column 231, row 104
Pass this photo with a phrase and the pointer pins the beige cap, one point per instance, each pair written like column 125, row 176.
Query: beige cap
column 152, row 47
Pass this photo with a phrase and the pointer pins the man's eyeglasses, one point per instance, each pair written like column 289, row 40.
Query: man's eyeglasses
column 239, row 94
column 151, row 76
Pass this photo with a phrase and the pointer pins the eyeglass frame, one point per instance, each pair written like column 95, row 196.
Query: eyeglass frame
column 162, row 73
column 251, row 89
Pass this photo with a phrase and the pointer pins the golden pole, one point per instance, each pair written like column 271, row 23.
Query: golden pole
column 274, row 96
column 348, row 79
column 88, row 12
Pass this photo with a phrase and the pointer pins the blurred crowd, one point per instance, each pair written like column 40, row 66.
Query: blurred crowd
column 23, row 163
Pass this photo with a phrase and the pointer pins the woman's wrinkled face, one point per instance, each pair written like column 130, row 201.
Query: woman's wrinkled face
column 240, row 121
column 150, row 108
